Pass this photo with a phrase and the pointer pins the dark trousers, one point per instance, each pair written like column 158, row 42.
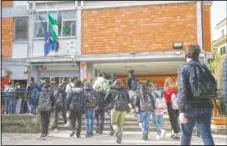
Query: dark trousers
column 173, row 117
column 203, row 117
column 57, row 110
column 45, row 120
column 75, row 120
column 100, row 117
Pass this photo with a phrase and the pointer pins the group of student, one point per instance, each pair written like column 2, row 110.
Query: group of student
column 77, row 97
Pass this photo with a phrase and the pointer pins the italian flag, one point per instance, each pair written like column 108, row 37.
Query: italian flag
column 53, row 33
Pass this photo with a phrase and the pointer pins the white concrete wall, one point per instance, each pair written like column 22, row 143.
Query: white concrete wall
column 66, row 47
column 19, row 50
column 220, row 31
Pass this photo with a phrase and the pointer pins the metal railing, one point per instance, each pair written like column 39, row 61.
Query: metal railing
column 15, row 102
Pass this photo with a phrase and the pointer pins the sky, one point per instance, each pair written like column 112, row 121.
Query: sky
column 218, row 13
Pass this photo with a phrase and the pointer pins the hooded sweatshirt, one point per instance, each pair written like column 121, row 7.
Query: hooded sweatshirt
column 71, row 94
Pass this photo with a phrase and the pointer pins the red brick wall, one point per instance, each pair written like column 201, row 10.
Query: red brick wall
column 7, row 3
column 7, row 37
column 138, row 28
column 206, row 28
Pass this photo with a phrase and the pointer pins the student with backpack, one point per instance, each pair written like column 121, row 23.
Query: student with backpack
column 102, row 86
column 160, row 109
column 59, row 104
column 32, row 96
column 131, row 80
column 197, row 90
column 45, row 104
column 119, row 99
column 69, row 87
column 75, row 101
column 91, row 102
column 144, row 106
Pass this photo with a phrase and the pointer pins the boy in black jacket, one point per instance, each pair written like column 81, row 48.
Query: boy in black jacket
column 75, row 101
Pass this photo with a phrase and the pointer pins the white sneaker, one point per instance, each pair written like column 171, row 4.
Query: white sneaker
column 163, row 134
column 67, row 124
column 55, row 130
column 158, row 137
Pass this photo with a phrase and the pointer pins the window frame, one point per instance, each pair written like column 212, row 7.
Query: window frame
column 222, row 50
column 14, row 29
column 60, row 34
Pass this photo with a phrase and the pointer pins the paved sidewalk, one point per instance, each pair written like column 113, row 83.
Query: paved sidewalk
column 130, row 138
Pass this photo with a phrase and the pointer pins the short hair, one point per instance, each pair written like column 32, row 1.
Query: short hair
column 99, row 74
column 32, row 79
column 131, row 71
column 74, row 79
column 118, row 82
column 193, row 51
column 52, row 79
column 65, row 79
column 78, row 83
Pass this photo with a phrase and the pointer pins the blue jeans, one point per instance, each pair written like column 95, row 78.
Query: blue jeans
column 9, row 105
column 31, row 104
column 203, row 117
column 144, row 121
column 89, row 120
column 157, row 120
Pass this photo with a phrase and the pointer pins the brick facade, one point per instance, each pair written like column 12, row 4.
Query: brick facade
column 206, row 28
column 138, row 28
column 7, row 3
column 7, row 37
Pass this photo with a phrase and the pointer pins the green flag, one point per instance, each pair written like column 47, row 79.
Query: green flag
column 53, row 31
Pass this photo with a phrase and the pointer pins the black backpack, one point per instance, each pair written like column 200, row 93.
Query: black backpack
column 202, row 83
column 146, row 102
column 100, row 100
column 59, row 99
column 44, row 102
column 91, row 99
column 121, row 101
column 75, row 102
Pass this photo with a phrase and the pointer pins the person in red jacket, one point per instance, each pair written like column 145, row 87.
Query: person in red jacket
column 170, row 89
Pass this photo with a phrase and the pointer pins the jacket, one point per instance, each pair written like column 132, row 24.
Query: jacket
column 129, row 81
column 224, row 81
column 137, row 104
column 185, row 98
column 168, row 94
column 46, row 87
column 112, row 93
column 70, row 95
column 91, row 90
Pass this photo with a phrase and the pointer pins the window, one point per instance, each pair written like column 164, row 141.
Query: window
column 222, row 32
column 222, row 50
column 66, row 23
column 20, row 29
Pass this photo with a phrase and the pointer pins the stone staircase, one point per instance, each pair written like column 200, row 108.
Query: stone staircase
column 130, row 124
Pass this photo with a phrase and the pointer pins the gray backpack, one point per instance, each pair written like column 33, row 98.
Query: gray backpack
column 121, row 101
column 146, row 103
column 44, row 103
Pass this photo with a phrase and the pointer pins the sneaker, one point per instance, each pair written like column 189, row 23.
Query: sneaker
column 78, row 135
column 146, row 136
column 119, row 137
column 163, row 134
column 175, row 136
column 87, row 135
column 111, row 133
column 72, row 134
column 158, row 137
column 100, row 132
column 55, row 130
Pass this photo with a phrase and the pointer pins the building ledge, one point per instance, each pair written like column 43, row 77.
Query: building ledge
column 119, row 57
